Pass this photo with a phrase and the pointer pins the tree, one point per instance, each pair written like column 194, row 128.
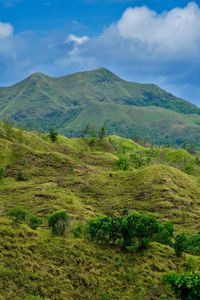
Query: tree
column 53, row 134
column 123, row 163
column 18, row 214
column 180, row 244
column 58, row 222
column 166, row 233
column 104, row 229
column 138, row 231
column 186, row 286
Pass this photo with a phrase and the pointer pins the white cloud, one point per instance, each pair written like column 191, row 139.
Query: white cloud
column 6, row 30
column 76, row 39
column 176, row 30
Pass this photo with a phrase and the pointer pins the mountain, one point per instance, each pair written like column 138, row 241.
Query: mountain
column 130, row 109
column 83, row 177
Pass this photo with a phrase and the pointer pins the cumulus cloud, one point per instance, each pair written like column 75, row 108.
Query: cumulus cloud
column 141, row 46
column 6, row 30
column 76, row 39
column 175, row 31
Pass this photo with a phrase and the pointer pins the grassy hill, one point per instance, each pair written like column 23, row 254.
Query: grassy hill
column 130, row 109
column 83, row 176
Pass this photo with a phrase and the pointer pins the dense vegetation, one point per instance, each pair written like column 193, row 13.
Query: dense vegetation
column 76, row 224
column 129, row 109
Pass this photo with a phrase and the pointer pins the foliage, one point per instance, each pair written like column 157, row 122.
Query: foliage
column 104, row 229
column 194, row 244
column 53, row 134
column 139, row 160
column 138, row 231
column 34, row 222
column 123, row 163
column 180, row 244
column 20, row 176
column 188, row 243
column 2, row 172
column 18, row 214
column 186, row 285
column 133, row 232
column 58, row 222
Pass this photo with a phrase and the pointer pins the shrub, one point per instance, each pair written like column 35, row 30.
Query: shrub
column 53, row 134
column 123, row 163
column 34, row 221
column 58, row 222
column 78, row 231
column 166, row 233
column 186, row 286
column 18, row 214
column 139, row 160
column 138, row 231
column 20, row 176
column 133, row 232
column 180, row 244
column 194, row 244
column 2, row 173
column 104, row 229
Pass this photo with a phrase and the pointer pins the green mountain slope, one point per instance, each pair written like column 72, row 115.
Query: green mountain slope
column 130, row 109
column 82, row 177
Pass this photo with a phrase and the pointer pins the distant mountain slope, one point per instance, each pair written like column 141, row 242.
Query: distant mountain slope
column 131, row 109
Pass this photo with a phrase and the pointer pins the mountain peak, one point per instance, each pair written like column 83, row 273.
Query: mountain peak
column 103, row 73
column 37, row 75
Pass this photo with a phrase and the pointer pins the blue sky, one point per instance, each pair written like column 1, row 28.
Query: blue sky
column 154, row 41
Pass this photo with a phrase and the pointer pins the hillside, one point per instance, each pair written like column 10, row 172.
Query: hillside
column 130, row 109
column 83, row 176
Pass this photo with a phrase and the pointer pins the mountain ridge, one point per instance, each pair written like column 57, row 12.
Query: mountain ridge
column 70, row 102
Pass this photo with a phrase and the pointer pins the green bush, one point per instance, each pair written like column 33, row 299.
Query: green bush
column 20, row 176
column 180, row 244
column 186, row 286
column 138, row 231
column 53, row 134
column 104, row 229
column 18, row 214
column 139, row 160
column 123, row 163
column 187, row 243
column 194, row 244
column 34, row 221
column 58, row 222
column 133, row 232
column 166, row 234
column 2, row 173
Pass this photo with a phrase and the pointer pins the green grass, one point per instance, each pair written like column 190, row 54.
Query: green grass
column 82, row 178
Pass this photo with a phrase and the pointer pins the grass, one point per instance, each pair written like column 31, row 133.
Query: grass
column 82, row 178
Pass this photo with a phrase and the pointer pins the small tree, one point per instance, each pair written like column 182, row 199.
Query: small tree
column 102, row 132
column 53, row 134
column 166, row 233
column 18, row 214
column 138, row 231
column 123, row 163
column 104, row 229
column 186, row 286
column 180, row 244
column 58, row 222
column 34, row 221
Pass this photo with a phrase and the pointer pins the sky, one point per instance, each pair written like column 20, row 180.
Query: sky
column 152, row 41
